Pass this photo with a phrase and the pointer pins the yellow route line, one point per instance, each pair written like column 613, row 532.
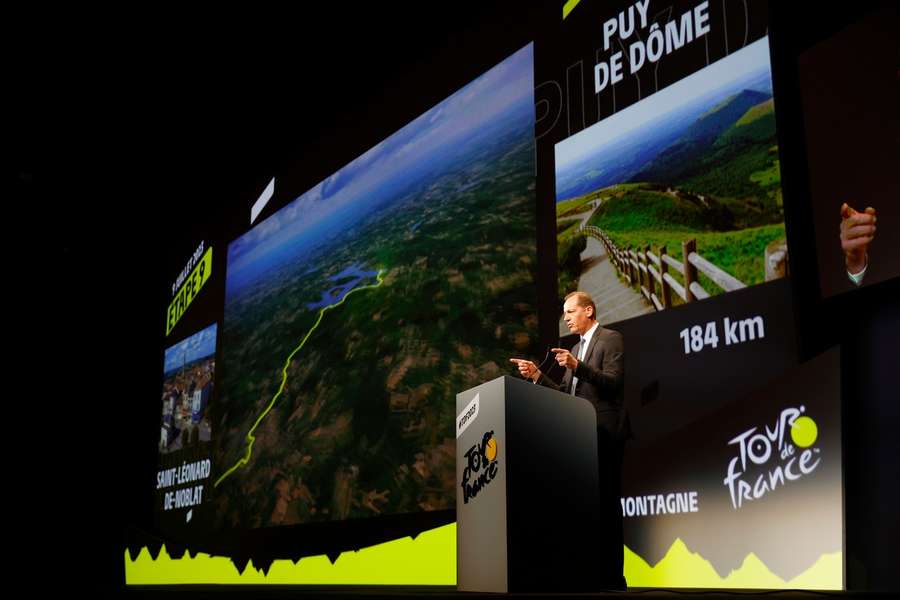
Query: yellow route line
column 250, row 438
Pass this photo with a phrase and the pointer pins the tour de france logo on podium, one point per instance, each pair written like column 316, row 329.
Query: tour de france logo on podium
column 481, row 466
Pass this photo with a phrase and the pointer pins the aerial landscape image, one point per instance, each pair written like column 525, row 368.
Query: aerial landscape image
column 693, row 167
column 357, row 312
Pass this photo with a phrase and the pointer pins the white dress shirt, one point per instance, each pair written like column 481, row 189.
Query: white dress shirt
column 582, row 350
column 857, row 278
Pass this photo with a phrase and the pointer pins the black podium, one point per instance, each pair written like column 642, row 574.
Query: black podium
column 527, row 490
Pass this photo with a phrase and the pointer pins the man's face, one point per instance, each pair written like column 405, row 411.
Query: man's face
column 577, row 317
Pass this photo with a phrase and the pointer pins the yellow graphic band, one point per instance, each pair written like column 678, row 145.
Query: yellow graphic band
column 568, row 6
column 430, row 559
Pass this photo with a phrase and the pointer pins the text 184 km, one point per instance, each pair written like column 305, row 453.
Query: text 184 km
column 700, row 337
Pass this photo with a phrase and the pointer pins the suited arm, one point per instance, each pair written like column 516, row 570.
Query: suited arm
column 547, row 382
column 607, row 377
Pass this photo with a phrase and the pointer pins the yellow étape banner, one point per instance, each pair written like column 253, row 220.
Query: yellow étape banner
column 189, row 290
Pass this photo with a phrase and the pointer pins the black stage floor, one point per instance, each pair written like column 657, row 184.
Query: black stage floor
column 450, row 593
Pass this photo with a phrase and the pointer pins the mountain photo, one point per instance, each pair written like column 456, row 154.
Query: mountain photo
column 694, row 166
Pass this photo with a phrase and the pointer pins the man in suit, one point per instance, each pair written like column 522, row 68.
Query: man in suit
column 595, row 370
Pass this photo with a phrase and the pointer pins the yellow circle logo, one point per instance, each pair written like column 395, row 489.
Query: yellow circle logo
column 804, row 432
column 490, row 450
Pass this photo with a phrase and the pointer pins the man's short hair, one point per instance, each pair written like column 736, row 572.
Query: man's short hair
column 583, row 299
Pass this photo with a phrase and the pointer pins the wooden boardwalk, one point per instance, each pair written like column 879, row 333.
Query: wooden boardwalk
column 615, row 300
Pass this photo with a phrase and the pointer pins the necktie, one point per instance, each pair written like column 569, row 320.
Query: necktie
column 581, row 351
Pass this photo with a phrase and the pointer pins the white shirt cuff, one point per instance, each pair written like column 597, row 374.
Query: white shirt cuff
column 857, row 278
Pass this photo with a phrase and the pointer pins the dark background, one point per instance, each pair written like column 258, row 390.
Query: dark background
column 131, row 127
column 851, row 90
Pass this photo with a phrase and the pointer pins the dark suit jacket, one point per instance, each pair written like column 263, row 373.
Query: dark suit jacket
column 601, row 376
